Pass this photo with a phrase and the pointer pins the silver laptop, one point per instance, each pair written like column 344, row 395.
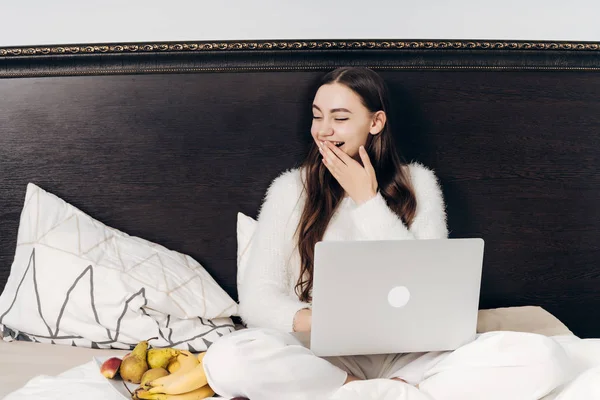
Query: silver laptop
column 396, row 296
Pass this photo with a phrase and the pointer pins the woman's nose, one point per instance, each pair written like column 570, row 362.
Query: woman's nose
column 325, row 130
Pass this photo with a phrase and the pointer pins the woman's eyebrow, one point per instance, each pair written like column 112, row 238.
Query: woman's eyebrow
column 333, row 110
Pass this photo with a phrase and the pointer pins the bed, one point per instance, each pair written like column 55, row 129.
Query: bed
column 170, row 141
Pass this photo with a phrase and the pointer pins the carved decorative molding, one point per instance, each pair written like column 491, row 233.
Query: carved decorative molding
column 295, row 45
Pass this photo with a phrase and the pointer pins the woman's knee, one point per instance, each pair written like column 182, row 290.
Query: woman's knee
column 539, row 354
column 222, row 363
column 231, row 362
column 550, row 362
column 512, row 363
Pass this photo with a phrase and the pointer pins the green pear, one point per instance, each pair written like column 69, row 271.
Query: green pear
column 152, row 374
column 160, row 358
column 134, row 365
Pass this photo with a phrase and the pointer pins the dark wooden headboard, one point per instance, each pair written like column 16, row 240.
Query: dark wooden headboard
column 168, row 141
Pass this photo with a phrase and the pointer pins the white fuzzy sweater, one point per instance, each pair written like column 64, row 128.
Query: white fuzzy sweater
column 267, row 297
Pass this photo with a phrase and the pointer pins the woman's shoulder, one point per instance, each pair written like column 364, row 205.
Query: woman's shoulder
column 286, row 187
column 424, row 180
column 288, row 180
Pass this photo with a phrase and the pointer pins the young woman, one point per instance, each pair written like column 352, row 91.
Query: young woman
column 354, row 186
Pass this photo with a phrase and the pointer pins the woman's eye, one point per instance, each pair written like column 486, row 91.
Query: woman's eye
column 341, row 119
column 315, row 117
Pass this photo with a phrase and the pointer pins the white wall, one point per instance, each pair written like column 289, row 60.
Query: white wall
column 28, row 22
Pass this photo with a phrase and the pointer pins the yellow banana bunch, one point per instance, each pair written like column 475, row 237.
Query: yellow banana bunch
column 192, row 380
column 187, row 362
column 188, row 382
column 197, row 394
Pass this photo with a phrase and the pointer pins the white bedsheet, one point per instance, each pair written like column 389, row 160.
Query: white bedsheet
column 86, row 381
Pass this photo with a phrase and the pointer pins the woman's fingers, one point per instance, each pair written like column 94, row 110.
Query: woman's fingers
column 331, row 169
column 343, row 157
column 331, row 158
column 364, row 156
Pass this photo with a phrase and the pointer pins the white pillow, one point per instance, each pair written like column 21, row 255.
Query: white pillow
column 77, row 281
column 245, row 231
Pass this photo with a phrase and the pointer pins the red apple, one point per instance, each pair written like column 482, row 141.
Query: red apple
column 110, row 367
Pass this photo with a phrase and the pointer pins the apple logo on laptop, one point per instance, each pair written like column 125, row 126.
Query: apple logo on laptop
column 398, row 296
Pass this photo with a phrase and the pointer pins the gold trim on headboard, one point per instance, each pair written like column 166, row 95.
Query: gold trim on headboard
column 297, row 45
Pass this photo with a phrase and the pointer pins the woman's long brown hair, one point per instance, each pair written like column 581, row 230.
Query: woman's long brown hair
column 324, row 193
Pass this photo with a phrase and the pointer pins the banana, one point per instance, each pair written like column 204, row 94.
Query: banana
column 192, row 380
column 197, row 394
column 187, row 362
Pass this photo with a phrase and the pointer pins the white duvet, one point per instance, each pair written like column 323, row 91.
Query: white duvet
column 86, row 381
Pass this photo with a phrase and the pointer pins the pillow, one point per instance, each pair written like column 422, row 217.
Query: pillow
column 245, row 231
column 77, row 281
column 532, row 319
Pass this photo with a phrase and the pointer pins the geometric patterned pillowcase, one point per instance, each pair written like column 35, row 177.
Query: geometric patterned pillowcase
column 78, row 282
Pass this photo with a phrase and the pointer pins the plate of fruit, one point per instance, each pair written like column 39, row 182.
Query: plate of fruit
column 157, row 373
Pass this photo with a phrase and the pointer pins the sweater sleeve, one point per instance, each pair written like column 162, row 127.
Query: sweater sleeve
column 377, row 221
column 265, row 300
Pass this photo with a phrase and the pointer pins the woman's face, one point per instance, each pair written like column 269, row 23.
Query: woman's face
column 340, row 117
